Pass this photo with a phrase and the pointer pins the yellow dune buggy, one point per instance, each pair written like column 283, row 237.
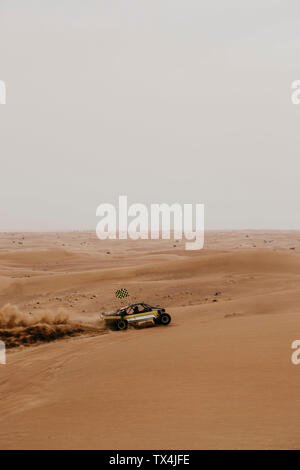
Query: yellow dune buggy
column 134, row 314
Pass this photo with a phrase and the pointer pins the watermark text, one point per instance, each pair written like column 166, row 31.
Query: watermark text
column 2, row 92
column 2, row 353
column 138, row 222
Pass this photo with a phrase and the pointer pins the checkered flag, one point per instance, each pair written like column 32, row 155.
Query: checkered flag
column 121, row 293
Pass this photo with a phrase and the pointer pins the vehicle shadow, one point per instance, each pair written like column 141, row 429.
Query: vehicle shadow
column 146, row 324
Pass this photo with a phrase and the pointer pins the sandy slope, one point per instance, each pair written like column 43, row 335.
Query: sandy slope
column 220, row 376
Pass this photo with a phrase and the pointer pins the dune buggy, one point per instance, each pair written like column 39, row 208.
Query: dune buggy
column 134, row 314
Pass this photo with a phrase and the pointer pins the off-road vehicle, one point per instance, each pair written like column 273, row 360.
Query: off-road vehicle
column 134, row 314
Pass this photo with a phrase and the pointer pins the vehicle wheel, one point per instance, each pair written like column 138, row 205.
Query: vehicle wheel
column 165, row 319
column 122, row 324
column 157, row 321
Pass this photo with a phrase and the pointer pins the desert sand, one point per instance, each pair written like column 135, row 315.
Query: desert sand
column 219, row 376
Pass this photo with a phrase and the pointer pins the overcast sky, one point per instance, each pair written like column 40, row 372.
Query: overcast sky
column 163, row 101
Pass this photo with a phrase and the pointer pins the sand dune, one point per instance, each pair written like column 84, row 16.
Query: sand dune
column 245, row 262
column 220, row 376
column 33, row 257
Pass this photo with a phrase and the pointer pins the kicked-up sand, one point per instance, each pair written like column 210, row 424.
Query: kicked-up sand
column 220, row 376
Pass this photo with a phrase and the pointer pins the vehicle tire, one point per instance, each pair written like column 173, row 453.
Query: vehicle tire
column 164, row 319
column 122, row 324
column 157, row 321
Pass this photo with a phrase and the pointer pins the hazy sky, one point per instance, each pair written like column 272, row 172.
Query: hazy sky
column 163, row 101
